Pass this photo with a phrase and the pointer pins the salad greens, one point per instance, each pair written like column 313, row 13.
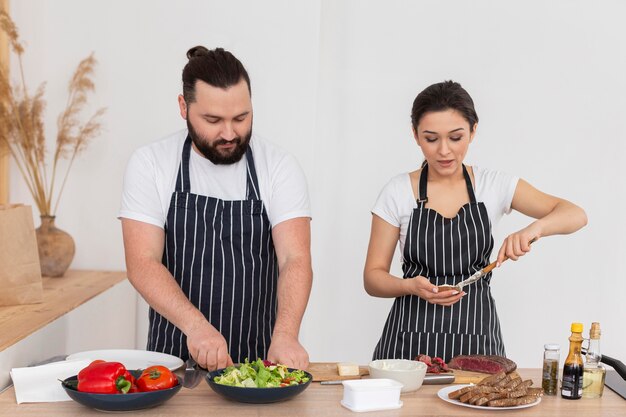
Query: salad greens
column 260, row 374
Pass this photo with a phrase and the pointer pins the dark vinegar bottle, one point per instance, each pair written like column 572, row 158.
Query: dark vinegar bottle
column 572, row 385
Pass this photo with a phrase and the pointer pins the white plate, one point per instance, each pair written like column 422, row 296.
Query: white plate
column 131, row 359
column 443, row 394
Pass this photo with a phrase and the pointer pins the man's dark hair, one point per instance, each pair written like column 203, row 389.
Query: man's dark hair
column 444, row 96
column 215, row 67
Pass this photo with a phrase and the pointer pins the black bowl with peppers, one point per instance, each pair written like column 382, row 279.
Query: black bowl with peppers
column 119, row 401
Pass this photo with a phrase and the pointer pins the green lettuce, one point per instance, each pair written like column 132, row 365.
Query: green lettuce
column 257, row 375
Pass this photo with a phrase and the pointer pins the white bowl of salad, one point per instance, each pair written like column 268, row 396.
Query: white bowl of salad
column 258, row 382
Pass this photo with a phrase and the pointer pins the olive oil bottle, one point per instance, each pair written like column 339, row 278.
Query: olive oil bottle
column 594, row 373
column 572, row 385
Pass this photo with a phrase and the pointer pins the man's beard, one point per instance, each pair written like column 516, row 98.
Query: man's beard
column 214, row 155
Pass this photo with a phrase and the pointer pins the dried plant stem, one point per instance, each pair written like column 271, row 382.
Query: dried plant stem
column 57, row 154
column 19, row 166
column 21, row 125
column 32, row 177
column 63, row 183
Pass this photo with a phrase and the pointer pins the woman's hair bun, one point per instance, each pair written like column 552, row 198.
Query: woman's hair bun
column 197, row 51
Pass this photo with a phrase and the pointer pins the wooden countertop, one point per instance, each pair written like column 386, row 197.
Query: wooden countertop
column 60, row 295
column 324, row 400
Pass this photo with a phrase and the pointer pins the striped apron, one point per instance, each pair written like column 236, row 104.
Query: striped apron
column 446, row 251
column 222, row 255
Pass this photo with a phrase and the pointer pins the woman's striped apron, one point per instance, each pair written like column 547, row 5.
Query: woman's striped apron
column 446, row 251
column 222, row 255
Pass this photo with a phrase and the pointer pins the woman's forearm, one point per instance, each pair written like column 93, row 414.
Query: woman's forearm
column 380, row 283
column 564, row 219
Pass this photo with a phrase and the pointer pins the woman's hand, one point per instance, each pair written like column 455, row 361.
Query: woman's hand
column 518, row 244
column 554, row 216
column 423, row 288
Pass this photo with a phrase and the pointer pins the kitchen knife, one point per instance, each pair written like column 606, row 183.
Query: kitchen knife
column 193, row 374
column 438, row 379
column 476, row 276
column 429, row 379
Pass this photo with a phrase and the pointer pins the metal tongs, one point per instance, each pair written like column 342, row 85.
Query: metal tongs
column 479, row 274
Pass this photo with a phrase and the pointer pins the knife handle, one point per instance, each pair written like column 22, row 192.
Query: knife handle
column 492, row 265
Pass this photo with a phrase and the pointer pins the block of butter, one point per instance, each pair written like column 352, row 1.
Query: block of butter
column 347, row 369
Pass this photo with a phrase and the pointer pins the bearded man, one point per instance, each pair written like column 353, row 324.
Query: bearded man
column 216, row 226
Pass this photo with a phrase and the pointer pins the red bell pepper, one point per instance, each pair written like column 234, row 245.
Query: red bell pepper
column 156, row 378
column 102, row 377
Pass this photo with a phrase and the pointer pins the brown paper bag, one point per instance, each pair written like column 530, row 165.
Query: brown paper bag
column 20, row 272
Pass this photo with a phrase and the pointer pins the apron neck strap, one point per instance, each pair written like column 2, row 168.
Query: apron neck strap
column 423, row 198
column 423, row 182
column 468, row 183
column 182, row 180
column 252, row 182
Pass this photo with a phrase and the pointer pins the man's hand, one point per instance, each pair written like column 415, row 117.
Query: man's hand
column 286, row 350
column 208, row 347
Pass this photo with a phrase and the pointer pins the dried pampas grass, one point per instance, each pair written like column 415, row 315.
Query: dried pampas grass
column 22, row 129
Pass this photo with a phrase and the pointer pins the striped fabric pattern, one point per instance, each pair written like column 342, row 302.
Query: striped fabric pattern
column 222, row 256
column 446, row 251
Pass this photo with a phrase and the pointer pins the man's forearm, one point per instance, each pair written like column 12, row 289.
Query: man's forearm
column 158, row 287
column 294, row 288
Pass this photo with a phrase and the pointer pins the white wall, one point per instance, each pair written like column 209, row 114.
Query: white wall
column 333, row 83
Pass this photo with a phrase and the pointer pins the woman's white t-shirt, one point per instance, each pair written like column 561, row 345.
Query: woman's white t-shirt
column 152, row 170
column 396, row 201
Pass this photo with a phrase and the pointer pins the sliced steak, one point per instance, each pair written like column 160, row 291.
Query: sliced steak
column 490, row 364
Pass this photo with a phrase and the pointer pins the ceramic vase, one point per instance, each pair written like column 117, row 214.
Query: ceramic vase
column 56, row 248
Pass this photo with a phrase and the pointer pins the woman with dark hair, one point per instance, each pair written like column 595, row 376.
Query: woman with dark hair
column 442, row 216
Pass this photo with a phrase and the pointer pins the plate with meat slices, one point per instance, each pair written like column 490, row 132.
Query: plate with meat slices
column 523, row 402
column 500, row 391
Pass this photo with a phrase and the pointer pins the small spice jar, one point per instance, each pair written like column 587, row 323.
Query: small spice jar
column 550, row 377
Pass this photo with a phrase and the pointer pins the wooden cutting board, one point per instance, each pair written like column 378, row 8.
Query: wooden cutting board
column 327, row 371
column 469, row 377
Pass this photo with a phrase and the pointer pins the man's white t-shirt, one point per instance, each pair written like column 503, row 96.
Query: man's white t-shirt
column 396, row 201
column 152, row 170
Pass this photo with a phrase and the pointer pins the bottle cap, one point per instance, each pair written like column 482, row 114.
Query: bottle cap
column 551, row 346
column 594, row 333
column 577, row 327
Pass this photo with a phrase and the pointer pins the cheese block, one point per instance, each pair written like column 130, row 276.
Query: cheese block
column 348, row 369
column 327, row 371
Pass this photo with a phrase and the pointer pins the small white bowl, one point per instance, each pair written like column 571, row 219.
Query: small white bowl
column 409, row 373
column 371, row 394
